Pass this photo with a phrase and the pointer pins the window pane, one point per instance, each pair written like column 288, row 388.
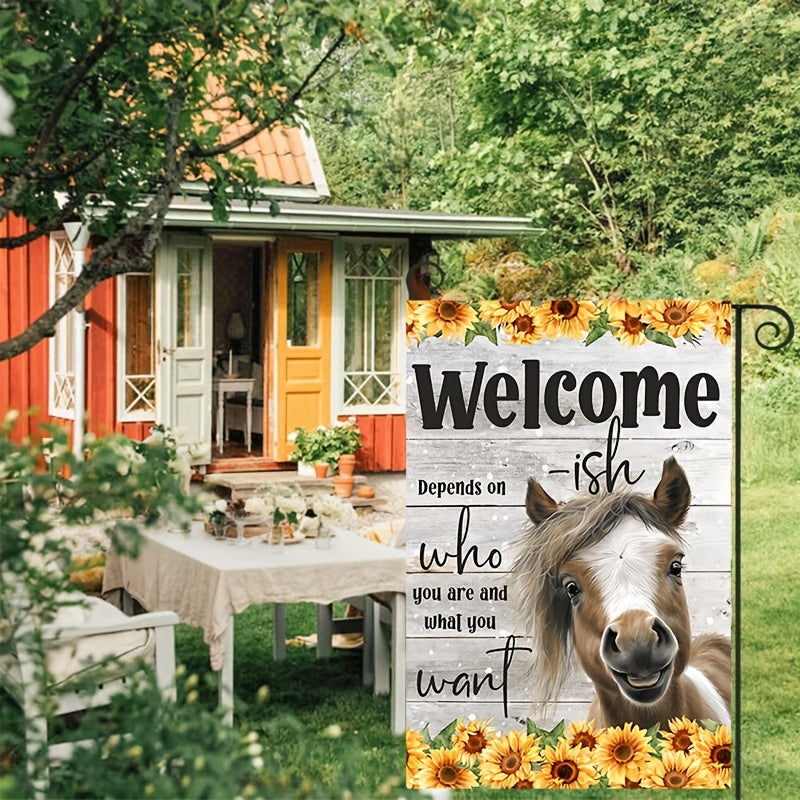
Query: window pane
column 302, row 325
column 139, row 366
column 62, row 377
column 373, row 324
column 189, row 296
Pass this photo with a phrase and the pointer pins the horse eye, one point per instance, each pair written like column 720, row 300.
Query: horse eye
column 675, row 568
column 573, row 589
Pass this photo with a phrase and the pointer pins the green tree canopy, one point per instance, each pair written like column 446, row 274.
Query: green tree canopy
column 628, row 123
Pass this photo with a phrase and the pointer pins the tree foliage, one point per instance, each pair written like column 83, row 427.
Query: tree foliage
column 625, row 129
column 635, row 125
column 118, row 102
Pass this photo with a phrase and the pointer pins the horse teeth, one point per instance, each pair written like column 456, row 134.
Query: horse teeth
column 643, row 683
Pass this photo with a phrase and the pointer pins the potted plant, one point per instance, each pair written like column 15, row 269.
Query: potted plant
column 347, row 439
column 308, row 449
column 326, row 446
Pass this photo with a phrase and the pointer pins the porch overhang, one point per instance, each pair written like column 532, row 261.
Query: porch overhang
column 331, row 220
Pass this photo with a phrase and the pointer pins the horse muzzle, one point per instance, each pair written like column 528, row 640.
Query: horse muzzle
column 639, row 650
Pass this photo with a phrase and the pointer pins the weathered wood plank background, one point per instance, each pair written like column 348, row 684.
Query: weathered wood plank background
column 486, row 469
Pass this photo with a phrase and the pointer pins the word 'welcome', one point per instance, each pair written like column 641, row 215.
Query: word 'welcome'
column 596, row 396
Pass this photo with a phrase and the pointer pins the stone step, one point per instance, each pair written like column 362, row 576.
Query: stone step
column 243, row 484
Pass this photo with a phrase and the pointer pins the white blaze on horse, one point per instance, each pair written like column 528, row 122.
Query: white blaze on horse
column 600, row 577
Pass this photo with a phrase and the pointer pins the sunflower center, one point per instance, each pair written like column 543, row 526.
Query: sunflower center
column 510, row 763
column 566, row 308
column 623, row 752
column 523, row 784
column 583, row 739
column 565, row 771
column 448, row 310
column 447, row 774
column 675, row 779
column 523, row 324
column 682, row 741
column 507, row 305
column 675, row 315
column 633, row 324
column 475, row 743
column 721, row 754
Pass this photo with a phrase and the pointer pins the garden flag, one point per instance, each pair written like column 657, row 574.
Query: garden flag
column 569, row 544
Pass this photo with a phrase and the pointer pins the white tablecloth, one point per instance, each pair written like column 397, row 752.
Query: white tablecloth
column 206, row 581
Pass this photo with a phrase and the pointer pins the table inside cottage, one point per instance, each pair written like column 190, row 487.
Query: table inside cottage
column 207, row 582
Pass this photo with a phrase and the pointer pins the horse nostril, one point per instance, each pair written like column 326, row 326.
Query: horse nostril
column 663, row 633
column 611, row 640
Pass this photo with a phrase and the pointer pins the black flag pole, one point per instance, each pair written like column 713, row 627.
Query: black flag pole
column 769, row 335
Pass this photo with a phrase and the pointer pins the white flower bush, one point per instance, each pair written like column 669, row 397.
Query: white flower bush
column 334, row 510
column 259, row 506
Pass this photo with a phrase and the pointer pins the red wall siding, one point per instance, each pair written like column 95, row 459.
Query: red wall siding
column 383, row 443
column 101, row 315
column 23, row 297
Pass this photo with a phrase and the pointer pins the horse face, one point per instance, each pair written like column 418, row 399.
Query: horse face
column 630, row 620
column 619, row 596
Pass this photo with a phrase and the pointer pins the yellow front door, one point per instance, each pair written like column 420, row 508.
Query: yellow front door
column 303, row 303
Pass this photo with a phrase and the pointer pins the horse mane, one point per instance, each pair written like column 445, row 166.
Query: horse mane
column 542, row 551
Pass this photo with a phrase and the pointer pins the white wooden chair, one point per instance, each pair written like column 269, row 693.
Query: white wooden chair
column 92, row 640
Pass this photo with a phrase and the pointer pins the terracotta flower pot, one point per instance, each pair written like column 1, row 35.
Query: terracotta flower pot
column 347, row 465
column 321, row 470
column 343, row 485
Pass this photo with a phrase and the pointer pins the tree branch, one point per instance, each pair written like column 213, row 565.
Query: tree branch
column 105, row 261
column 39, row 156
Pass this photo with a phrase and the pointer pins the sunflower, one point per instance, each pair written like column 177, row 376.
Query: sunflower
column 721, row 321
column 524, row 330
column 622, row 752
column 565, row 317
column 508, row 760
column 581, row 734
column 416, row 750
column 565, row 767
column 715, row 752
column 471, row 738
column 679, row 736
column 626, row 319
column 414, row 329
column 676, row 770
column 448, row 317
column 498, row 312
column 441, row 770
column 677, row 317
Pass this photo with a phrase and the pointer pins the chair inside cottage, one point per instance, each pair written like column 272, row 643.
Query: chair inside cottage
column 89, row 652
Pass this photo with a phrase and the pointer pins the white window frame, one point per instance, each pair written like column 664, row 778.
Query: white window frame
column 61, row 370
column 123, row 414
column 338, row 407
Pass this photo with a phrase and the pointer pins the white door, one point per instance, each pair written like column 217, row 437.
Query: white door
column 185, row 329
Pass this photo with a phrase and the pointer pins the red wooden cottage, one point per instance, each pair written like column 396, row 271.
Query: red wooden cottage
column 305, row 308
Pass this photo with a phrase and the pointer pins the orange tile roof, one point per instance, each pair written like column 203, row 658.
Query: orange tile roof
column 279, row 153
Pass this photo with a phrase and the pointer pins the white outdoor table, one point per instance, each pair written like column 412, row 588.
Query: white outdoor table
column 223, row 386
column 207, row 582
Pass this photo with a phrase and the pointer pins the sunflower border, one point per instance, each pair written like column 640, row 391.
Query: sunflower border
column 469, row 752
column 631, row 322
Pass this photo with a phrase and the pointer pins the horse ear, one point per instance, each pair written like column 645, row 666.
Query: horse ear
column 538, row 503
column 673, row 495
